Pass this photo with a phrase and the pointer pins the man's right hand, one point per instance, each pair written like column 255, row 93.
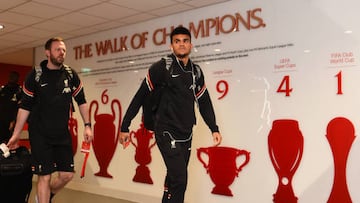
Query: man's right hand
column 13, row 142
column 124, row 139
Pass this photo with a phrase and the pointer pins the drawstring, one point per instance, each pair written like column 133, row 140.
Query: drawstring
column 193, row 86
column 174, row 141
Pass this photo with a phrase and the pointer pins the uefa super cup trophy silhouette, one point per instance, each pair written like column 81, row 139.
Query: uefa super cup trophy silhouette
column 222, row 166
column 106, row 134
column 285, row 143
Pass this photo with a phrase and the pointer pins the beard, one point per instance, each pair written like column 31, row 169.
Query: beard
column 56, row 61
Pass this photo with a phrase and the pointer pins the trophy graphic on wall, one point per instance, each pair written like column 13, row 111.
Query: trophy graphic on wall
column 340, row 134
column 285, row 144
column 106, row 133
column 142, row 153
column 73, row 128
column 222, row 166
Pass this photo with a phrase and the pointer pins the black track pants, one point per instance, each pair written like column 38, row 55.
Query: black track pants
column 176, row 157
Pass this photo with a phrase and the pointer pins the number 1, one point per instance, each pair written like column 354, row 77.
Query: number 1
column 339, row 82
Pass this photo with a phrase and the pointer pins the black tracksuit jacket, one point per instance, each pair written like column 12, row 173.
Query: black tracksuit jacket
column 176, row 110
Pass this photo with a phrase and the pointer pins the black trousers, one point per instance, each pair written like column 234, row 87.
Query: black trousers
column 176, row 156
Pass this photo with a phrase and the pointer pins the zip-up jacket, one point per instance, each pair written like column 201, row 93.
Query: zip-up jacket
column 176, row 109
column 49, row 99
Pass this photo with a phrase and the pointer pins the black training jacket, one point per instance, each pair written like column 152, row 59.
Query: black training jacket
column 176, row 110
column 49, row 99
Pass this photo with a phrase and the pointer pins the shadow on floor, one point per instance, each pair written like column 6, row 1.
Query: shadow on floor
column 73, row 196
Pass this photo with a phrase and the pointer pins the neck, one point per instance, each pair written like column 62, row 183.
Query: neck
column 52, row 66
column 183, row 60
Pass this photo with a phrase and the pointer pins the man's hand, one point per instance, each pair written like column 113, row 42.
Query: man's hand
column 124, row 139
column 216, row 138
column 88, row 134
column 13, row 142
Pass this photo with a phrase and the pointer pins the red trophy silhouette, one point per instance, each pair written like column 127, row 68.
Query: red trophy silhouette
column 73, row 128
column 340, row 135
column 285, row 143
column 222, row 166
column 142, row 153
column 106, row 136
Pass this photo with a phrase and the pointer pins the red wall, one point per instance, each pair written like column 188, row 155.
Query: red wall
column 6, row 68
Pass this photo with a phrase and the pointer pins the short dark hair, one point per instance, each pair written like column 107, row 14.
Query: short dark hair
column 180, row 30
column 51, row 40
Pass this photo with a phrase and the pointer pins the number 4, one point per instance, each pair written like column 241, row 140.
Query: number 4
column 284, row 87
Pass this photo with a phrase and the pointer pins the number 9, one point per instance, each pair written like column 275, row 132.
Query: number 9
column 222, row 87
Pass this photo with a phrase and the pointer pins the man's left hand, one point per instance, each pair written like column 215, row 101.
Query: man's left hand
column 217, row 138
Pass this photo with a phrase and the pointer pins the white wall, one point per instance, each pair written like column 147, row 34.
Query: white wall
column 304, row 40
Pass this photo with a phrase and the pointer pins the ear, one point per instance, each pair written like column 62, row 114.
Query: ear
column 47, row 53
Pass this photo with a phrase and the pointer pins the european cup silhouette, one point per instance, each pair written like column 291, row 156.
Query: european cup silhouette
column 106, row 136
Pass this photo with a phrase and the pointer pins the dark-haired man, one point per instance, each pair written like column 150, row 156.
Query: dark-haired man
column 175, row 116
column 48, row 92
